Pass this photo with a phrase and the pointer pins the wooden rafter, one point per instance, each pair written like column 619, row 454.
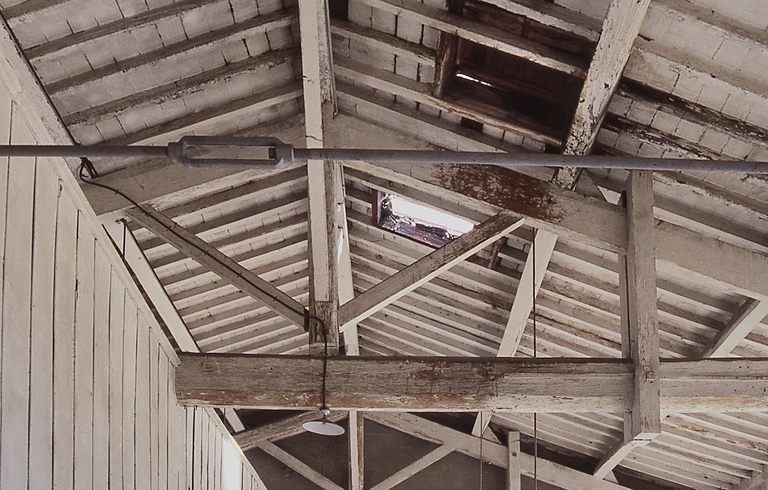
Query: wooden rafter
column 228, row 269
column 620, row 28
column 751, row 313
column 427, row 268
column 493, row 453
column 298, row 466
column 458, row 384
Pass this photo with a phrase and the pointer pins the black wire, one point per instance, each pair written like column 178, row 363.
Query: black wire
column 81, row 174
column 535, row 415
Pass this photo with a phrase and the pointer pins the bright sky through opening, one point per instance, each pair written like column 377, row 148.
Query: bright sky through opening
column 454, row 225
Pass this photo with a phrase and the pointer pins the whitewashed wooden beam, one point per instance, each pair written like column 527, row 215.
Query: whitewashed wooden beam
column 425, row 461
column 641, row 307
column 356, row 450
column 217, row 262
column 553, row 15
column 459, row 384
column 513, row 464
column 495, row 454
column 138, row 263
column 616, row 455
column 481, row 33
column 544, row 243
column 620, row 28
column 751, row 313
column 234, row 420
column 298, row 466
column 427, row 268
column 325, row 196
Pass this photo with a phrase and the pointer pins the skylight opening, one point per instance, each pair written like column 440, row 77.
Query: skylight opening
column 429, row 216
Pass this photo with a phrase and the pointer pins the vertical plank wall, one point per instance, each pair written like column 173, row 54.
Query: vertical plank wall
column 86, row 375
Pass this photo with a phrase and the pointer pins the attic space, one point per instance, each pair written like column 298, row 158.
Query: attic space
column 591, row 317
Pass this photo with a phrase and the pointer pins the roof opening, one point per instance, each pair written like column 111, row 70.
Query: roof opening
column 423, row 223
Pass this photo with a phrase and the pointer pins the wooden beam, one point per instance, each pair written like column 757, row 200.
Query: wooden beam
column 282, row 429
column 584, row 219
column 616, row 455
column 229, row 270
column 381, row 40
column 620, row 28
column 553, row 15
column 324, row 179
column 362, row 74
column 425, row 461
column 427, row 268
column 513, row 463
column 641, row 307
column 459, row 384
column 544, row 243
column 482, row 34
column 298, row 466
column 356, row 450
column 495, row 454
column 751, row 313
column 757, row 482
column 136, row 260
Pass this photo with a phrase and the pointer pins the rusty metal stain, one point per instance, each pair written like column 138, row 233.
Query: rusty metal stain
column 501, row 187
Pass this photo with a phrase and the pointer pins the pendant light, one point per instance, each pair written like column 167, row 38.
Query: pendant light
column 324, row 426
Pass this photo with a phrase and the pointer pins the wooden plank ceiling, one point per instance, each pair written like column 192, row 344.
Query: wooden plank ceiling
column 474, row 75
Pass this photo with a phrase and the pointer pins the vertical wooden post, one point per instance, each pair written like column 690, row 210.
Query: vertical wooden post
column 641, row 302
column 513, row 469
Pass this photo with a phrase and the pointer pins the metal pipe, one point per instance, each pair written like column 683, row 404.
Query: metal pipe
column 280, row 153
column 529, row 160
column 83, row 151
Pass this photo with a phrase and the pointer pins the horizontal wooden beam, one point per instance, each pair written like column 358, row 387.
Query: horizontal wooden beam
column 464, row 384
column 584, row 219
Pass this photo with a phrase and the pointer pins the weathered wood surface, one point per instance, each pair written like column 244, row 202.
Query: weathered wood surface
column 228, row 269
column 87, row 378
column 427, row 268
column 461, row 384
column 585, row 219
column 641, row 304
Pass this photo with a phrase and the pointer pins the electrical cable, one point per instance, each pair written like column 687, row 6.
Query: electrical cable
column 307, row 316
column 535, row 415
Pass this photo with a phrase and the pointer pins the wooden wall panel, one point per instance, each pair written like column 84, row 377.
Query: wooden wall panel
column 87, row 394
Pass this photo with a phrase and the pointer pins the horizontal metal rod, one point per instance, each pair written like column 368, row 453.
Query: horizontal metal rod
column 83, row 151
column 282, row 153
column 529, row 160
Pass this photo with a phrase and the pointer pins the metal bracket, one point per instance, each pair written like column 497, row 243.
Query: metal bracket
column 279, row 152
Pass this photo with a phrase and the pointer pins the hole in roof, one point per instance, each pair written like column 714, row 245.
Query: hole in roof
column 423, row 223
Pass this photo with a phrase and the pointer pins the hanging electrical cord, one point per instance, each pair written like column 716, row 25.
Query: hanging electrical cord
column 535, row 415
column 481, row 449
